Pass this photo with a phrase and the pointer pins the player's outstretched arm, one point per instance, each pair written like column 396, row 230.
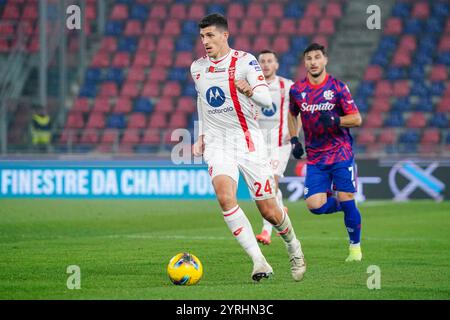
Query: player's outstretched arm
column 351, row 120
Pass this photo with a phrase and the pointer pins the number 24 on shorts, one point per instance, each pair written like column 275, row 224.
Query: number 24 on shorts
column 267, row 188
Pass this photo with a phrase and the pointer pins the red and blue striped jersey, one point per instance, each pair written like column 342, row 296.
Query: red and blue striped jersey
column 323, row 146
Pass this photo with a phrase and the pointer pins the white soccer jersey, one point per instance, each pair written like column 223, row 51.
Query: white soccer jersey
column 227, row 117
column 273, row 120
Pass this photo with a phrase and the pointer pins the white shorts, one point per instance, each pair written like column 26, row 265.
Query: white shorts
column 254, row 167
column 279, row 158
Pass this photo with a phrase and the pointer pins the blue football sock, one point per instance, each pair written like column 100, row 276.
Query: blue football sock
column 352, row 220
column 331, row 206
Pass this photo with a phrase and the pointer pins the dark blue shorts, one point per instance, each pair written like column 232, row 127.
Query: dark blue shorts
column 321, row 177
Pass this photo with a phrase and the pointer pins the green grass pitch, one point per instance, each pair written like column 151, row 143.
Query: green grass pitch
column 123, row 247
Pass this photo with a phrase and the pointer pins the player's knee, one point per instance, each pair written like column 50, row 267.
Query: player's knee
column 226, row 200
column 315, row 207
column 345, row 196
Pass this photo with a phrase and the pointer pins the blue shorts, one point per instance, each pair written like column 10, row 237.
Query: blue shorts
column 321, row 177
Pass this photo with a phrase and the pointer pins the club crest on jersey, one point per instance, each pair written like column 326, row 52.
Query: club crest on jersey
column 269, row 111
column 328, row 94
column 255, row 65
column 215, row 97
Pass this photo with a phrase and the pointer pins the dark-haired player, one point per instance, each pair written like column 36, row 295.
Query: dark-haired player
column 327, row 112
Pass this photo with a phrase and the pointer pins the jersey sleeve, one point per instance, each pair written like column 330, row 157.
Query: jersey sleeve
column 253, row 71
column 293, row 106
column 199, row 101
column 346, row 100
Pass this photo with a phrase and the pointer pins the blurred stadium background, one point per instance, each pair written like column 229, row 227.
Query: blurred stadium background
column 121, row 84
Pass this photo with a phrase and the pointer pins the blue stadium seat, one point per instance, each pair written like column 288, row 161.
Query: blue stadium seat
column 388, row 43
column 425, row 104
column 190, row 91
column 114, row 28
column 299, row 44
column 409, row 136
column 439, row 120
column 88, row 90
column 433, row 25
column 127, row 44
column 116, row 120
column 423, row 58
column 417, row 73
column 401, row 105
column 380, row 58
column 216, row 8
column 413, row 26
column 190, row 28
column 177, row 74
column 115, row 74
column 447, row 140
column 93, row 75
column 419, row 89
column 437, row 88
column 395, row 73
column 362, row 104
column 407, row 148
column 394, row 119
column 293, row 10
column 440, row 9
column 139, row 12
column 185, row 43
column 365, row 89
column 143, row 105
column 289, row 59
column 427, row 43
column 444, row 58
column 401, row 10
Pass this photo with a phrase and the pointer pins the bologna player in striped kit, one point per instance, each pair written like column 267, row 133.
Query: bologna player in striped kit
column 273, row 123
column 327, row 112
column 230, row 88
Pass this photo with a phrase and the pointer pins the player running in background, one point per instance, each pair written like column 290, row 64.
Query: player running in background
column 230, row 86
column 273, row 123
column 327, row 112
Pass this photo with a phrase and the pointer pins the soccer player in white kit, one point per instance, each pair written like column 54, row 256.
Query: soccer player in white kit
column 230, row 88
column 273, row 123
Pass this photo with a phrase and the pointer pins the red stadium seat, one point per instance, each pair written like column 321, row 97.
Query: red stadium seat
column 261, row 43
column 91, row 12
column 447, row 26
column 233, row 27
column 157, row 74
column 163, row 60
column 100, row 60
column 306, row 27
column 153, row 27
column 178, row 120
column 69, row 136
column 123, row 105
column 444, row 44
column 151, row 136
column 249, row 28
column 243, row 43
column 183, row 59
column 130, row 89
column 121, row 60
column 186, row 104
column 108, row 44
column 431, row 136
column 287, row 27
column 401, row 88
column 137, row 120
column 383, row 88
column 255, row 11
column 146, row 44
column 151, row 89
column 136, row 73
column 101, row 104
column 387, row 136
column 196, row 12
column 313, row 10
column 333, row 10
column 416, row 120
column 158, row 11
column 11, row 12
column 408, row 43
column 75, row 120
column 133, row 28
column 235, row 10
column 373, row 120
column 30, row 12
column 366, row 137
column 119, row 12
column 165, row 45
column 275, row 10
column 444, row 105
column 421, row 10
column 130, row 137
column 142, row 60
column 158, row 120
column 178, row 11
column 268, row 27
column 172, row 27
column 394, row 26
column 164, row 105
column 171, row 89
column 108, row 89
column 438, row 73
column 321, row 39
column 81, row 104
column 110, row 136
column 326, row 27
column 373, row 73
column 401, row 59
column 381, row 104
column 96, row 121
column 281, row 44
column 89, row 137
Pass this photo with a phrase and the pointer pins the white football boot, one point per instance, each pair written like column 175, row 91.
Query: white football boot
column 261, row 269
column 297, row 261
